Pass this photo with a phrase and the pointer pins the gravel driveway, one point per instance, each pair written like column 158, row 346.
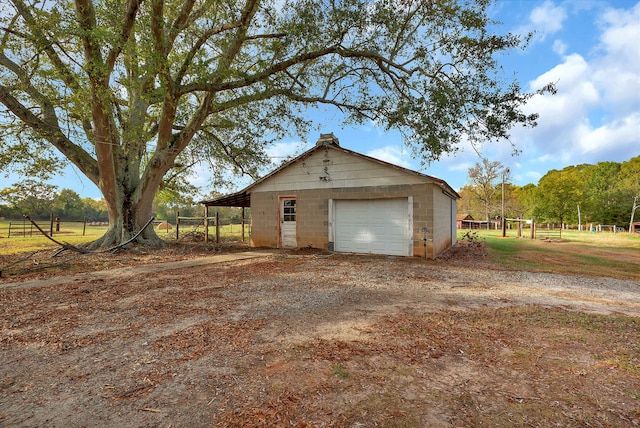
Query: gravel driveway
column 277, row 339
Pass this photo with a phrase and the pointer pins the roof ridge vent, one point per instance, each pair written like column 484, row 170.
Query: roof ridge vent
column 328, row 139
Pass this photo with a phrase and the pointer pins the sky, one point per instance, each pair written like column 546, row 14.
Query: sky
column 589, row 48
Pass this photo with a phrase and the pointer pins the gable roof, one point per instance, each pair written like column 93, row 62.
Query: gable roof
column 242, row 198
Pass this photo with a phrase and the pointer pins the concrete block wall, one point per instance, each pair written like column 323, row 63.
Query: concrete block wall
column 264, row 220
column 422, row 217
column 442, row 218
column 313, row 214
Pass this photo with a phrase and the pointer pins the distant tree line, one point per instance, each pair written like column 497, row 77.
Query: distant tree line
column 40, row 200
column 600, row 194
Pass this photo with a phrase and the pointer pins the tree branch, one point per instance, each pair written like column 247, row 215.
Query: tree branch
column 44, row 43
column 52, row 133
column 198, row 45
column 125, row 32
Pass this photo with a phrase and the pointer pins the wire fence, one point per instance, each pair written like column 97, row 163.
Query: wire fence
column 54, row 226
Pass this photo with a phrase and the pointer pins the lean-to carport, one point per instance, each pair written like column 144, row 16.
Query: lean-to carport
column 240, row 199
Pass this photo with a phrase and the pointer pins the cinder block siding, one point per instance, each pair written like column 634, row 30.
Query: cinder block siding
column 313, row 213
column 264, row 220
column 442, row 221
column 422, row 217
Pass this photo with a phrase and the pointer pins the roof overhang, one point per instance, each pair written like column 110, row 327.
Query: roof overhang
column 238, row 199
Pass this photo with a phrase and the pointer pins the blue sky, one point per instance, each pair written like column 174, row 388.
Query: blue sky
column 590, row 48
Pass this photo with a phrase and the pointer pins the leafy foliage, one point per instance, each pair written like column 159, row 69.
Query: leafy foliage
column 483, row 177
column 128, row 90
column 604, row 192
column 41, row 200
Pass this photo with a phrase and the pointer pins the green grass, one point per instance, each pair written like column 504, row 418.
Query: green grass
column 597, row 254
column 26, row 238
column 72, row 233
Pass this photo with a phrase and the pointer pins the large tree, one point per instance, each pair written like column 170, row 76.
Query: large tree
column 559, row 193
column 485, row 180
column 123, row 89
column 30, row 197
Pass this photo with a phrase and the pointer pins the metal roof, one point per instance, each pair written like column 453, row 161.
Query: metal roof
column 238, row 199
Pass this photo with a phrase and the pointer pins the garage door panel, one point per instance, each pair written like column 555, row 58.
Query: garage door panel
column 380, row 226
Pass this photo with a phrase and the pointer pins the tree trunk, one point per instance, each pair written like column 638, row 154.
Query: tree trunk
column 124, row 223
column 129, row 212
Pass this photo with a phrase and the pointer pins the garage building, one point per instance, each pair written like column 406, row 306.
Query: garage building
column 333, row 198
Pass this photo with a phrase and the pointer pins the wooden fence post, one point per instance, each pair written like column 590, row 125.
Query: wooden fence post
column 533, row 229
column 51, row 225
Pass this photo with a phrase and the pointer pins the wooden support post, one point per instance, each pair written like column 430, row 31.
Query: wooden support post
column 51, row 226
column 217, row 227
column 84, row 225
column 206, row 223
column 519, row 228
column 242, row 224
column 177, row 224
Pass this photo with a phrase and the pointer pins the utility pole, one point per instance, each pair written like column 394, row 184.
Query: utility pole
column 633, row 211
column 579, row 223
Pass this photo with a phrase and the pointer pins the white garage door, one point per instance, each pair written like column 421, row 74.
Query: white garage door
column 377, row 226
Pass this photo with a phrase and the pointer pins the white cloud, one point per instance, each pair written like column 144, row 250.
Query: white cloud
column 622, row 135
column 559, row 47
column 617, row 68
column 393, row 154
column 545, row 20
column 596, row 113
column 460, row 166
column 562, row 113
column 281, row 151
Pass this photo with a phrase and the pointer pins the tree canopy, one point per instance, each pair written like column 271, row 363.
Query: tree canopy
column 129, row 91
column 482, row 177
column 604, row 193
column 40, row 201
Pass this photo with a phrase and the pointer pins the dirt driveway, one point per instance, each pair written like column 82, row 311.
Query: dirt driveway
column 320, row 340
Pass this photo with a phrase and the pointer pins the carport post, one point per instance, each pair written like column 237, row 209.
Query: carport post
column 242, row 224
column 206, row 223
column 217, row 227
column 177, row 224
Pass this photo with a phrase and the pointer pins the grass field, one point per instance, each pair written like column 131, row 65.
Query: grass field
column 26, row 238
column 597, row 254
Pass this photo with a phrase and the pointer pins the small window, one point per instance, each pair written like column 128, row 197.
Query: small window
column 289, row 210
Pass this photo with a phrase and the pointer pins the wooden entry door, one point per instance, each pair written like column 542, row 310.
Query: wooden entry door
column 288, row 218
